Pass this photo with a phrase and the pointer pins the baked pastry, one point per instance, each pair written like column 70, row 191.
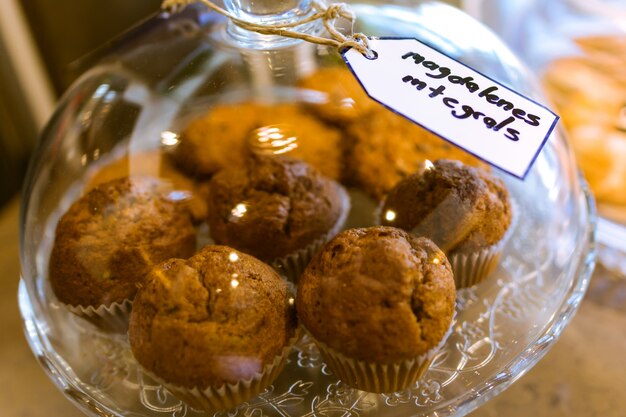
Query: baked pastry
column 345, row 100
column 379, row 302
column 589, row 92
column 387, row 148
column 216, row 140
column 276, row 208
column 155, row 164
column 223, row 138
column 465, row 210
column 216, row 329
column 107, row 242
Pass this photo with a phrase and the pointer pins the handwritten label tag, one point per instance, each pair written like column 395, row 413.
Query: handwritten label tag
column 459, row 104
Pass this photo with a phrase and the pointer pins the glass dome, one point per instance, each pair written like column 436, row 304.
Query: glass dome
column 199, row 170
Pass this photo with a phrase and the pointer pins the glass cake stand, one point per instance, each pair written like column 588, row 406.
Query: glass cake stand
column 175, row 66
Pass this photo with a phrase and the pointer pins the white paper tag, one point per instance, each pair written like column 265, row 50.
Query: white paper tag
column 453, row 101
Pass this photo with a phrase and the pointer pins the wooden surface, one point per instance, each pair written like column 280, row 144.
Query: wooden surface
column 584, row 375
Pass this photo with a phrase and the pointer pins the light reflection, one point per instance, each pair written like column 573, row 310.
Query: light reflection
column 239, row 210
column 273, row 140
column 169, row 138
column 436, row 261
column 234, row 283
column 428, row 165
column 83, row 160
column 347, row 103
column 291, row 301
column 390, row 215
column 233, row 257
column 110, row 97
column 101, row 91
column 179, row 195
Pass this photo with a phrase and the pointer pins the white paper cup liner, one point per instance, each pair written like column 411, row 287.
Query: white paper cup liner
column 112, row 318
column 379, row 378
column 470, row 269
column 292, row 265
column 229, row 395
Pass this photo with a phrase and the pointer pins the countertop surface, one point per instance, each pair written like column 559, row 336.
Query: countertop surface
column 583, row 375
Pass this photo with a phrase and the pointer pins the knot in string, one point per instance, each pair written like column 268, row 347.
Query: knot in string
column 328, row 14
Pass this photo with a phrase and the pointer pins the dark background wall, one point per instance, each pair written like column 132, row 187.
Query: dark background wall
column 67, row 30
column 64, row 32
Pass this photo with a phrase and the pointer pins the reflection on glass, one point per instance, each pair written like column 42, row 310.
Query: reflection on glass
column 239, row 210
column 273, row 140
column 169, row 138
column 390, row 215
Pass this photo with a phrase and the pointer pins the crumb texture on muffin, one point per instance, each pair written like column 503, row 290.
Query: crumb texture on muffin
column 378, row 294
column 217, row 318
column 388, row 147
column 345, row 100
column 109, row 239
column 154, row 163
column 272, row 206
column 461, row 208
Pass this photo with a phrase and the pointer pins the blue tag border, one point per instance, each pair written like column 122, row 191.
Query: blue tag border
column 539, row 149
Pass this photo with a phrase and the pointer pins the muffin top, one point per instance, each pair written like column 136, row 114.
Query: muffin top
column 110, row 238
column 378, row 294
column 388, row 147
column 221, row 138
column 218, row 317
column 346, row 101
column 272, row 206
column 461, row 208
column 153, row 163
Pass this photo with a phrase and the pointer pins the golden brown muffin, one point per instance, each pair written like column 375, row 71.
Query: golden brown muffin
column 273, row 206
column 217, row 139
column 222, row 138
column 109, row 239
column 216, row 318
column 388, row 147
column 461, row 208
column 346, row 101
column 378, row 295
column 317, row 144
column 154, row 164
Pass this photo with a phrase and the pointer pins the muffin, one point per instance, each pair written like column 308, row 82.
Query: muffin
column 465, row 210
column 222, row 138
column 316, row 143
column 276, row 208
column 215, row 329
column 216, row 140
column 345, row 100
column 379, row 303
column 156, row 164
column 387, row 148
column 107, row 242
